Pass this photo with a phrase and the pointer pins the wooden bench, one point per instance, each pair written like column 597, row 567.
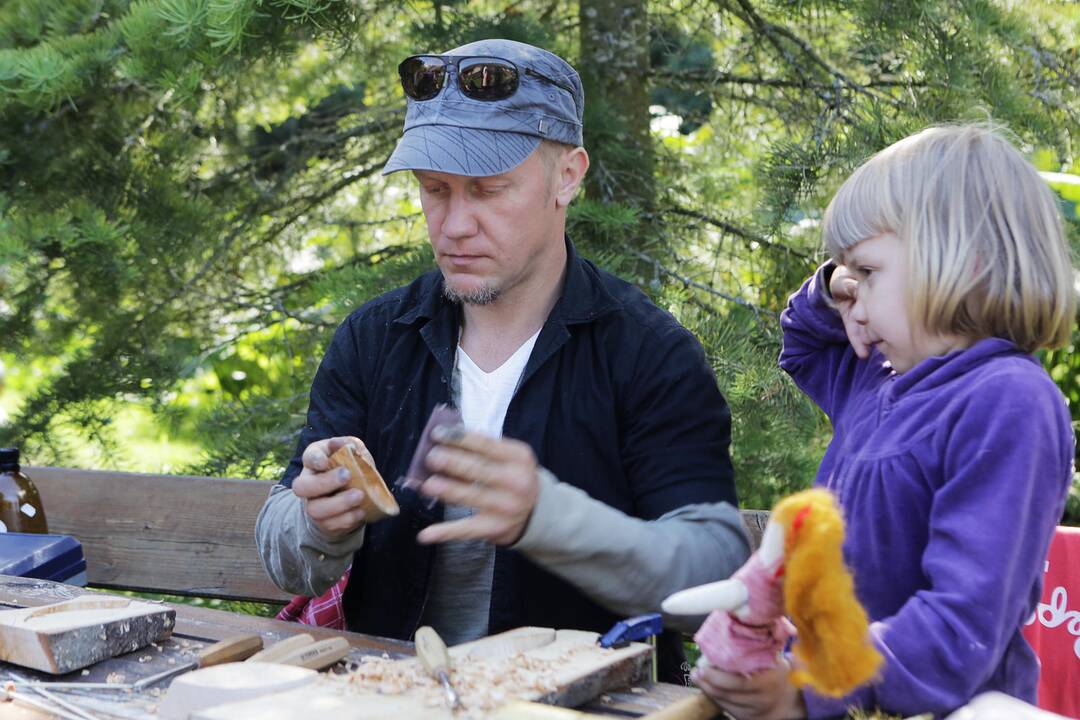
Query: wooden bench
column 175, row 534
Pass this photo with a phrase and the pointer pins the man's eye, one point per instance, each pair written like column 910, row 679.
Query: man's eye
column 433, row 189
column 864, row 271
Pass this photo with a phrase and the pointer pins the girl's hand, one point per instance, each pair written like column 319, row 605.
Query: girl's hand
column 765, row 695
column 844, row 288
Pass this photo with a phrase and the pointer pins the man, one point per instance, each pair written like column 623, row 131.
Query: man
column 594, row 476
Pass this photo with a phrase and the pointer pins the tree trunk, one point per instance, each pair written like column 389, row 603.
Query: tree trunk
column 614, row 68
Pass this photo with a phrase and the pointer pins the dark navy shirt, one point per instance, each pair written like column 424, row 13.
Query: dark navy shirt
column 617, row 399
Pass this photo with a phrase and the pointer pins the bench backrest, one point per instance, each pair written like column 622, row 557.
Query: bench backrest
column 161, row 533
column 176, row 534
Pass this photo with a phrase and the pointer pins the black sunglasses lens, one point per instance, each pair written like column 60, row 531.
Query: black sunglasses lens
column 422, row 77
column 488, row 80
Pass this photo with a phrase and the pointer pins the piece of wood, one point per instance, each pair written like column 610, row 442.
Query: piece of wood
column 161, row 533
column 378, row 501
column 229, row 650
column 695, row 707
column 229, row 683
column 71, row 635
column 566, row 671
column 309, row 704
column 200, row 622
column 508, row 643
column 754, row 521
column 519, row 710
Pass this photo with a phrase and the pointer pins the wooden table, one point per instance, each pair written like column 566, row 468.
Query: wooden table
column 197, row 627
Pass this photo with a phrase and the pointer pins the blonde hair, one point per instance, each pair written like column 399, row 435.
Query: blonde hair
column 986, row 249
column 833, row 649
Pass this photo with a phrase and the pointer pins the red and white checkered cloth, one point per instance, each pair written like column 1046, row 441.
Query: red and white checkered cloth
column 327, row 610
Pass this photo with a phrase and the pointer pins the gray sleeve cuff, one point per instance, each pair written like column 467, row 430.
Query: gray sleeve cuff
column 297, row 556
column 627, row 564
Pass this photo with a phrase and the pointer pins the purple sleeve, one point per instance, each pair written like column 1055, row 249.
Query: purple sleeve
column 816, row 352
column 1005, row 472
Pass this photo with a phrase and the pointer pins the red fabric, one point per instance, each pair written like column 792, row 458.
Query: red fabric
column 327, row 610
column 1054, row 630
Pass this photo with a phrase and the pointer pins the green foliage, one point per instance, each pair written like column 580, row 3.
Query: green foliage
column 191, row 202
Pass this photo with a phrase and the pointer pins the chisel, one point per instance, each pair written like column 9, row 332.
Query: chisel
column 281, row 649
column 231, row 649
column 318, row 655
column 436, row 660
column 302, row 651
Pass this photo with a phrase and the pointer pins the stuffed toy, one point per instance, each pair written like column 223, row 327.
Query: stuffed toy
column 798, row 571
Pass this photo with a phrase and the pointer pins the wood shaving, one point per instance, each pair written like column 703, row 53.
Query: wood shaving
column 116, row 678
column 482, row 684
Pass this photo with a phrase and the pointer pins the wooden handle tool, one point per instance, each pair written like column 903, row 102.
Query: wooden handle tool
column 231, row 649
column 318, row 655
column 436, row 660
column 282, row 649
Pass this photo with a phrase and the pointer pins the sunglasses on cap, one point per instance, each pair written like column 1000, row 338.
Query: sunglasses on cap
column 479, row 77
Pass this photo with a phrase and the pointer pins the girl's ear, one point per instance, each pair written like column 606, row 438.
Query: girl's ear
column 572, row 168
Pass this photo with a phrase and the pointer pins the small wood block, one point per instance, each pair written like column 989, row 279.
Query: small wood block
column 70, row 635
column 324, row 703
column 229, row 683
column 505, row 644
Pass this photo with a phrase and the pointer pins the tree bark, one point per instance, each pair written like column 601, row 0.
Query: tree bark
column 614, row 69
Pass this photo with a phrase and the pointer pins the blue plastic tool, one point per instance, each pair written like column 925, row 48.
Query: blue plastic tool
column 626, row 631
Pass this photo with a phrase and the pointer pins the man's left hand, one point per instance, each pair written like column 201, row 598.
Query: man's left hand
column 498, row 477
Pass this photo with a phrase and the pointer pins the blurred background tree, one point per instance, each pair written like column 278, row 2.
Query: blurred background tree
column 190, row 197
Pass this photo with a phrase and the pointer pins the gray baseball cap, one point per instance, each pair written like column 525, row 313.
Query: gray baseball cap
column 455, row 134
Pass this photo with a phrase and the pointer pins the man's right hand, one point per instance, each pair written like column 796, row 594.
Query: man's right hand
column 335, row 512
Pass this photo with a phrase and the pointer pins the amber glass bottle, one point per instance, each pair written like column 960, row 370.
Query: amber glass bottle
column 20, row 504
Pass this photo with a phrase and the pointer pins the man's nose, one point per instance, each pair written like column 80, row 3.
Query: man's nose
column 460, row 219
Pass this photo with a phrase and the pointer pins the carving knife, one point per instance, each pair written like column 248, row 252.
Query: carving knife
column 436, row 660
column 231, row 649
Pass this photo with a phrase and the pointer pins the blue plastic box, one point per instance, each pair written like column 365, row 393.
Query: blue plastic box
column 46, row 557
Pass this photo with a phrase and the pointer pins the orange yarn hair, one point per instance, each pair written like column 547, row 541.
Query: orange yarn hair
column 833, row 650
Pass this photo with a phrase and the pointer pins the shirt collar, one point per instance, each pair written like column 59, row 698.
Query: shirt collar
column 584, row 297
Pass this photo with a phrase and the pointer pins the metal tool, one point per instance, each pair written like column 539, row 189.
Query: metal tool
column 53, row 698
column 642, row 627
column 231, row 649
column 38, row 704
column 436, row 660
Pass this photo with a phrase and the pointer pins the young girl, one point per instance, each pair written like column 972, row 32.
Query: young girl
column 952, row 450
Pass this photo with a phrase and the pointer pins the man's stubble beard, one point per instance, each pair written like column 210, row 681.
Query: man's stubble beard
column 483, row 295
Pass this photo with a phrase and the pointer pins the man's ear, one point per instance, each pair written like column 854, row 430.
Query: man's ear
column 572, row 168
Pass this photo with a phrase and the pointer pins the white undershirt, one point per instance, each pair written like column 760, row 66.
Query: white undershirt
column 460, row 595
column 485, row 396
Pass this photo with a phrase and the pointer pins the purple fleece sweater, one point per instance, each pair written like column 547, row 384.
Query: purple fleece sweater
column 952, row 477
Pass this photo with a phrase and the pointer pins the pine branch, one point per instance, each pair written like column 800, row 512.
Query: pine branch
column 689, row 282
column 735, row 230
column 774, row 34
column 718, row 77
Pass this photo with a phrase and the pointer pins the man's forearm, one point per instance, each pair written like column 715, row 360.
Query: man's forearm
column 627, row 564
column 296, row 555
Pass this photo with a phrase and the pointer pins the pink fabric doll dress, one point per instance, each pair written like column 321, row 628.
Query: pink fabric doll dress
column 753, row 641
